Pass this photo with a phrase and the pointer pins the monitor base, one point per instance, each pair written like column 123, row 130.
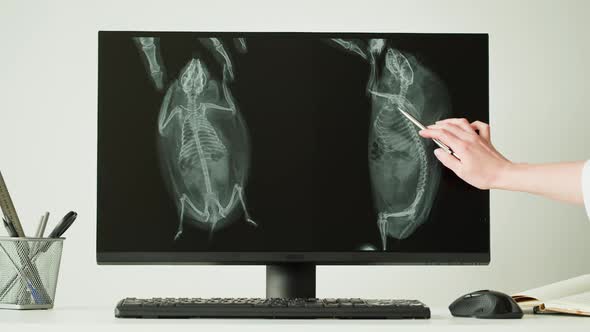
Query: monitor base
column 290, row 280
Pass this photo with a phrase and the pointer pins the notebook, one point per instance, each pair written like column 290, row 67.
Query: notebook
column 571, row 296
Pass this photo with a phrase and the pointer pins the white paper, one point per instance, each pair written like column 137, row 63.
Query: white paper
column 561, row 289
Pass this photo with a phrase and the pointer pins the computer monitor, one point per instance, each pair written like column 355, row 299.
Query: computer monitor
column 286, row 149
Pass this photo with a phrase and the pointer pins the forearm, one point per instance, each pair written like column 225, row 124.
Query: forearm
column 561, row 181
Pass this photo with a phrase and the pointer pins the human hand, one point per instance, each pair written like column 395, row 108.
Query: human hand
column 478, row 163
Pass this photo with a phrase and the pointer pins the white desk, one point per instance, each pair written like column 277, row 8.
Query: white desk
column 102, row 319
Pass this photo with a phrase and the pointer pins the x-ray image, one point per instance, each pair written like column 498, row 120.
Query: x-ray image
column 152, row 60
column 203, row 140
column 286, row 142
column 404, row 174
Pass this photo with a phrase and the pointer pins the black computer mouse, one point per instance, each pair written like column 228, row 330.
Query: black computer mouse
column 485, row 304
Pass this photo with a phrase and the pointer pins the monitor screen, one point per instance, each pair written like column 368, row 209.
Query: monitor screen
column 221, row 143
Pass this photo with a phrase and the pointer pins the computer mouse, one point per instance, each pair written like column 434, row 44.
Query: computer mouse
column 485, row 304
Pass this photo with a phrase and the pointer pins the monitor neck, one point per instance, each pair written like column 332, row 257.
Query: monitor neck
column 290, row 280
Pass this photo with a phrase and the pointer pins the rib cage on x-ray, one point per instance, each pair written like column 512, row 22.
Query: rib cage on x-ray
column 196, row 128
column 392, row 134
column 388, row 122
column 203, row 140
column 395, row 145
column 206, row 163
column 204, row 145
column 404, row 173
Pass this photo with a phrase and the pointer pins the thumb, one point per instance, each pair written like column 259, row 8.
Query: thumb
column 447, row 159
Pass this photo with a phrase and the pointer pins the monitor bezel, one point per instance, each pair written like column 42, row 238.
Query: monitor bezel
column 265, row 258
column 319, row 258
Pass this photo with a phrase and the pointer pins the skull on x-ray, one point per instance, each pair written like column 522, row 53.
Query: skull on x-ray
column 203, row 140
column 404, row 172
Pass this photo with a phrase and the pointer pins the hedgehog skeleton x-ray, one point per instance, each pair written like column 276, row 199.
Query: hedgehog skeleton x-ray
column 203, row 140
column 203, row 170
column 392, row 135
column 397, row 154
column 387, row 126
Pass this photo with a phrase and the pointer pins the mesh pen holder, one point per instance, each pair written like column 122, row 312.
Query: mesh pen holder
column 29, row 268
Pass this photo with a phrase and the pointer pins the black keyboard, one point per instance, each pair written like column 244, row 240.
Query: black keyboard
column 269, row 308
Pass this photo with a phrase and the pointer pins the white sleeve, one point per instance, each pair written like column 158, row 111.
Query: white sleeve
column 586, row 186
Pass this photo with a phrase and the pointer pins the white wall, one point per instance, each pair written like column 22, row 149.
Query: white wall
column 539, row 75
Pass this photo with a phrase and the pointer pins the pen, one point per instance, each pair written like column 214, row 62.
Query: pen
column 9, row 228
column 417, row 123
column 28, row 268
column 42, row 225
column 63, row 225
column 33, row 292
column 24, row 259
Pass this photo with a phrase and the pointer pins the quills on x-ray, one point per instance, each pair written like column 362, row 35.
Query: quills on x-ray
column 204, row 149
column 404, row 173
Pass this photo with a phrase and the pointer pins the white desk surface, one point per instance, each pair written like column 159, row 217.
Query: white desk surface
column 103, row 319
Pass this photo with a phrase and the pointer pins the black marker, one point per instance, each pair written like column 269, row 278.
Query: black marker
column 63, row 225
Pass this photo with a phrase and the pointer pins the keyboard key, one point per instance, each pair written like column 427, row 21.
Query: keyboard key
column 314, row 304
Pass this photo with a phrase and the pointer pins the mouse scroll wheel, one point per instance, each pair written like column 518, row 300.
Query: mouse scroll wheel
column 474, row 294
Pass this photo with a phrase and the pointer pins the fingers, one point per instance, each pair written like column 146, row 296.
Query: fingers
column 461, row 123
column 455, row 130
column 444, row 135
column 483, row 128
column 448, row 160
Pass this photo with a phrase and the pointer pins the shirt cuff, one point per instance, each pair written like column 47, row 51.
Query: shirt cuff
column 586, row 186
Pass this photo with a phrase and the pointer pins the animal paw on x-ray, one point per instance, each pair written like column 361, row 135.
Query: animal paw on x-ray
column 149, row 47
column 203, row 143
column 204, row 151
column 404, row 174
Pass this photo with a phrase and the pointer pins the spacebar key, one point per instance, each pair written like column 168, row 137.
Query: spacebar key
column 214, row 305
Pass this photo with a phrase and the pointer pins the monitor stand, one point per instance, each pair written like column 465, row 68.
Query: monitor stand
column 290, row 280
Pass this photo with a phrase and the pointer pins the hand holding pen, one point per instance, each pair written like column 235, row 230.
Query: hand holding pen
column 478, row 162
